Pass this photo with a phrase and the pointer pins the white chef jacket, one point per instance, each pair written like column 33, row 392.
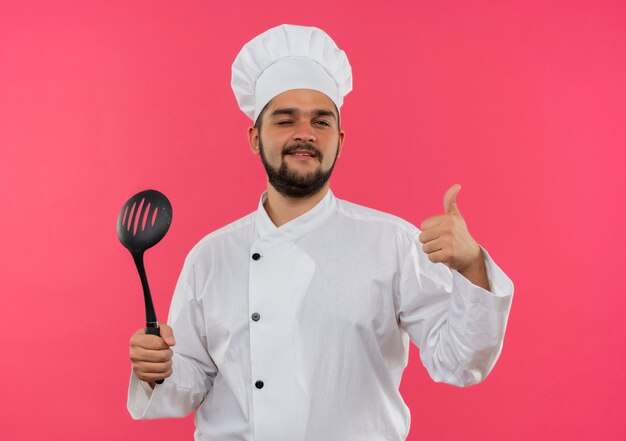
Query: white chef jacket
column 301, row 333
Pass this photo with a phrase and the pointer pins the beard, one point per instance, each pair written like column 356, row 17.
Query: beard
column 292, row 184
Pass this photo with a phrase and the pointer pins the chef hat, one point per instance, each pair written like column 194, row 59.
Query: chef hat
column 289, row 57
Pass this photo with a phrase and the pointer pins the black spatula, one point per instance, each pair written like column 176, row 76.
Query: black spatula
column 142, row 223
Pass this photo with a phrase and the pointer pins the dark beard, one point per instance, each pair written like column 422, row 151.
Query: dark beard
column 291, row 184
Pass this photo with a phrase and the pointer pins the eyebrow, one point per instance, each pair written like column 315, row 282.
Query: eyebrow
column 295, row 111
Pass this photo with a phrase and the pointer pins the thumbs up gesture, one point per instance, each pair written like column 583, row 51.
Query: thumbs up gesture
column 445, row 238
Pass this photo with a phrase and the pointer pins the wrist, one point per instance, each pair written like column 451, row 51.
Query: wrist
column 476, row 265
column 476, row 273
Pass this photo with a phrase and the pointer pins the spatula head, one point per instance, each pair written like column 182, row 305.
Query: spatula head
column 144, row 220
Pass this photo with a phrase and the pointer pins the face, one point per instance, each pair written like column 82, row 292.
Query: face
column 299, row 141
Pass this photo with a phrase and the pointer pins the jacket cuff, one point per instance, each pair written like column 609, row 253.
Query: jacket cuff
column 499, row 283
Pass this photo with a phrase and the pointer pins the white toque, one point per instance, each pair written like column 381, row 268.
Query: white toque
column 289, row 57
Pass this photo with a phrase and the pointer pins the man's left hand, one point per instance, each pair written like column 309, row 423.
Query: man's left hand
column 445, row 238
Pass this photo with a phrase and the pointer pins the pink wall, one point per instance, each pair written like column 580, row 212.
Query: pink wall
column 523, row 103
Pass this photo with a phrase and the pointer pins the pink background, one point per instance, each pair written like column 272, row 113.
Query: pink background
column 523, row 103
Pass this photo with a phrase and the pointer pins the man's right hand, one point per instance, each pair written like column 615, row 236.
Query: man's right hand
column 151, row 355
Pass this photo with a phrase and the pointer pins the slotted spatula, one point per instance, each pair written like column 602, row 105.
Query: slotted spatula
column 142, row 223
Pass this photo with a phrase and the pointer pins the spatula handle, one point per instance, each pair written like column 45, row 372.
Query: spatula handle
column 152, row 324
column 154, row 331
column 138, row 259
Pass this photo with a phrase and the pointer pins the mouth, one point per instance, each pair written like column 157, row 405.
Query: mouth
column 302, row 154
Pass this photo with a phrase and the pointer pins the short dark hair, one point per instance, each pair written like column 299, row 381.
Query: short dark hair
column 259, row 121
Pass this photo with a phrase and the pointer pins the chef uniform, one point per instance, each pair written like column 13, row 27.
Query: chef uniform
column 302, row 332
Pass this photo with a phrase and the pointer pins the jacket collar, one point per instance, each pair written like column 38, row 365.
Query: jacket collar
column 295, row 228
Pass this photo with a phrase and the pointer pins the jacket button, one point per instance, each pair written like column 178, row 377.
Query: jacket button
column 256, row 256
column 256, row 316
column 259, row 384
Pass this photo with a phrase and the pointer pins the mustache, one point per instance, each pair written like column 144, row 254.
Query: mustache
column 302, row 146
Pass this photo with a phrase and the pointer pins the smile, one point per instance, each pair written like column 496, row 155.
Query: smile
column 302, row 154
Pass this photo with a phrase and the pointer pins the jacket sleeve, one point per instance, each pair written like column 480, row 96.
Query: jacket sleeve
column 192, row 366
column 458, row 326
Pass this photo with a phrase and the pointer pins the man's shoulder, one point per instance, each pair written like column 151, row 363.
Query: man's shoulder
column 236, row 232
column 360, row 213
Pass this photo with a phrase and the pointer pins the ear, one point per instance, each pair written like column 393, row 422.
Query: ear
column 342, row 135
column 253, row 139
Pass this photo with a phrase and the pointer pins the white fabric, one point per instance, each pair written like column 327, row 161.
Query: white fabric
column 340, row 291
column 289, row 57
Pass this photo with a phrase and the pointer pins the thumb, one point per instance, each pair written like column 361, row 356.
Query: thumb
column 449, row 200
column 167, row 334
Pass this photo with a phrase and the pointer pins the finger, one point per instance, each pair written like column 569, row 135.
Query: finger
column 437, row 256
column 433, row 246
column 148, row 341
column 152, row 377
column 449, row 200
column 428, row 235
column 432, row 222
column 147, row 355
column 142, row 367
column 167, row 334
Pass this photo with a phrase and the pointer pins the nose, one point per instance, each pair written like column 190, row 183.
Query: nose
column 303, row 131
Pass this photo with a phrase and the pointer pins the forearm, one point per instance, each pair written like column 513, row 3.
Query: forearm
column 180, row 394
column 477, row 273
column 465, row 348
column 457, row 324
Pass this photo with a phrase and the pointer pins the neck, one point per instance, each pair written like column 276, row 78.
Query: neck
column 282, row 209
